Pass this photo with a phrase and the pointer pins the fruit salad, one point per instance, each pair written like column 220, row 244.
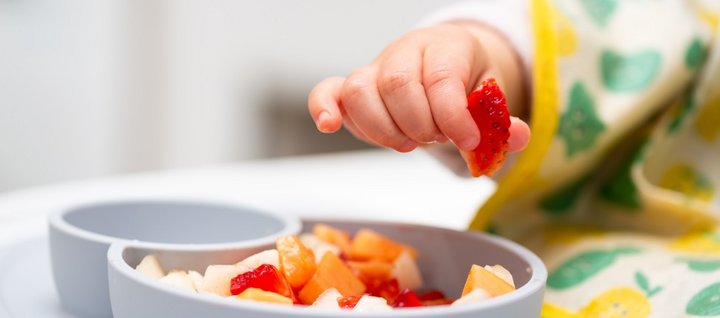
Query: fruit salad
column 329, row 268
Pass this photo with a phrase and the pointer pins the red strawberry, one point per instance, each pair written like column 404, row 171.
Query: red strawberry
column 488, row 108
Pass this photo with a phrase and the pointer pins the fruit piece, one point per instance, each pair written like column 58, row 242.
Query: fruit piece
column 475, row 295
column 371, row 303
column 407, row 272
column 406, row 299
column 434, row 298
column 179, row 279
column 488, row 108
column 265, row 257
column 481, row 278
column 389, row 290
column 257, row 294
column 196, row 278
column 217, row 278
column 265, row 277
column 331, row 272
column 297, row 262
column 150, row 266
column 372, row 273
column 318, row 246
column 328, row 299
column 369, row 244
column 333, row 236
column 501, row 272
column 349, row 302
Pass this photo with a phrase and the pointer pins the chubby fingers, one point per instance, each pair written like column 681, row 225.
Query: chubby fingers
column 519, row 135
column 449, row 66
column 362, row 102
column 324, row 105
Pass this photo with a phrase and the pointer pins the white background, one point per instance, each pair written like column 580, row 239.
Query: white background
column 90, row 88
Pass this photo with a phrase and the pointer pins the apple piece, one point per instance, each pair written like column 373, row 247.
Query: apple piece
column 150, row 266
column 258, row 294
column 196, row 278
column 481, row 278
column 318, row 246
column 369, row 244
column 371, row 303
column 334, row 236
column 501, row 272
column 271, row 257
column 179, row 280
column 331, row 272
column 297, row 262
column 328, row 299
column 476, row 295
column 217, row 278
column 372, row 273
column 406, row 271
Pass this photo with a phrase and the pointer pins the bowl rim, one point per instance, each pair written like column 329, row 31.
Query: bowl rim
column 57, row 221
column 536, row 282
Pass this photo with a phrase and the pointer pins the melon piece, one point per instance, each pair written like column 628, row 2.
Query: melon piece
column 318, row 246
column 476, row 295
column 369, row 244
column 501, row 272
column 297, row 262
column 331, row 272
column 258, row 294
column 371, row 272
column 150, row 266
column 481, row 278
column 333, row 236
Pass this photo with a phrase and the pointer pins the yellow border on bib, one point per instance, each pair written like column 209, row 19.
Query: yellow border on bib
column 544, row 115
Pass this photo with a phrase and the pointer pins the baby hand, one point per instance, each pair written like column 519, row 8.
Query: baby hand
column 415, row 92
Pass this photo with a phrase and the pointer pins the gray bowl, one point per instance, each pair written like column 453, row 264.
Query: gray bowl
column 445, row 259
column 80, row 238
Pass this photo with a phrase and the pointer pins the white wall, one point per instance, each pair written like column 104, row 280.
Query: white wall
column 89, row 88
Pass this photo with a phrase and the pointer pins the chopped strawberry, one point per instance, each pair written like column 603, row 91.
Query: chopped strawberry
column 349, row 302
column 434, row 298
column 488, row 108
column 389, row 290
column 406, row 299
column 265, row 277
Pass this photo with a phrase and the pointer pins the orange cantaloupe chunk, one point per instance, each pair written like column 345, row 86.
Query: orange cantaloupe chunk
column 334, row 236
column 258, row 294
column 331, row 272
column 479, row 277
column 297, row 262
column 369, row 244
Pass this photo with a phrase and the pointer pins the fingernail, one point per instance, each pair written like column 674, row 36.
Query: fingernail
column 321, row 119
column 469, row 143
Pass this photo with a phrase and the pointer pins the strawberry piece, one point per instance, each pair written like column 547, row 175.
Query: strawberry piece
column 349, row 302
column 389, row 290
column 406, row 299
column 488, row 108
column 265, row 277
column 434, row 298
column 431, row 295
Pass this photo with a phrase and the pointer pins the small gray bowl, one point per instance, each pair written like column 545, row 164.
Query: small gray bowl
column 445, row 259
column 80, row 237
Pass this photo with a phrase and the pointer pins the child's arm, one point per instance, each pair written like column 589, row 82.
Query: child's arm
column 415, row 92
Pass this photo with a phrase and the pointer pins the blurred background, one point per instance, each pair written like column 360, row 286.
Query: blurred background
column 91, row 88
